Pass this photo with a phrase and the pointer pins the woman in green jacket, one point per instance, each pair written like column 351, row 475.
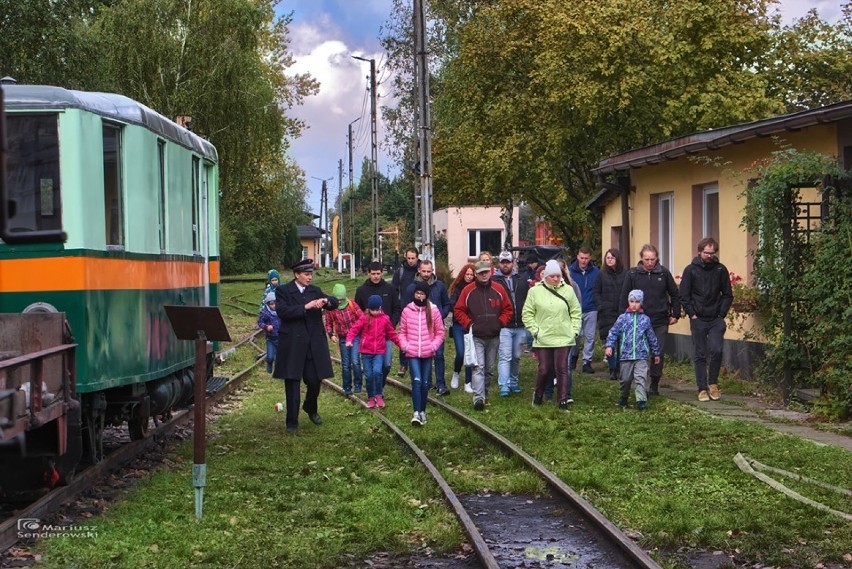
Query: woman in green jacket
column 552, row 314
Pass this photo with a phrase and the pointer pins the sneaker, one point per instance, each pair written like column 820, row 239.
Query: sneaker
column 454, row 382
column 371, row 403
column 587, row 367
column 641, row 405
column 415, row 420
column 564, row 405
column 401, row 372
column 715, row 394
column 570, row 400
column 702, row 396
column 357, row 389
column 504, row 393
column 622, row 402
column 423, row 417
column 479, row 404
column 468, row 388
column 347, row 392
column 443, row 390
column 536, row 399
column 380, row 401
column 515, row 388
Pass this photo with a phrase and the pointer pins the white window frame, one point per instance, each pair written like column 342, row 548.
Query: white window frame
column 665, row 239
column 478, row 243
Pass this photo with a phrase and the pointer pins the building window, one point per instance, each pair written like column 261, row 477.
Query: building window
column 484, row 240
column 710, row 221
column 113, row 199
column 665, row 241
column 161, row 195
column 304, row 253
column 615, row 239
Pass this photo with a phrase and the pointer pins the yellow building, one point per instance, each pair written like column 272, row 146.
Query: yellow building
column 674, row 193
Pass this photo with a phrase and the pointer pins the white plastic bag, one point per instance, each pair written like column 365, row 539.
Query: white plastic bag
column 470, row 349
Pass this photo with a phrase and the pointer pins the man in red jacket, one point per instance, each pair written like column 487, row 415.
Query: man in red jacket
column 487, row 308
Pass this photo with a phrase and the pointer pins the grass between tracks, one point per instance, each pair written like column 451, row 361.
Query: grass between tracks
column 331, row 495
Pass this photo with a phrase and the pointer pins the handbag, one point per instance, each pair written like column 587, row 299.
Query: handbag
column 470, row 349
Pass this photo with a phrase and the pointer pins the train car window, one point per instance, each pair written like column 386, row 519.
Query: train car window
column 196, row 166
column 32, row 197
column 113, row 198
column 161, row 196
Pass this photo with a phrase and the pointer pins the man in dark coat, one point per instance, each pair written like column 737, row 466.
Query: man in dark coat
column 404, row 277
column 662, row 302
column 302, row 346
column 705, row 292
column 376, row 284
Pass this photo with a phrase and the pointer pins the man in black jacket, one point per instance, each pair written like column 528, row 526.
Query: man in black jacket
column 705, row 292
column 376, row 284
column 662, row 302
column 302, row 346
column 513, row 336
column 402, row 279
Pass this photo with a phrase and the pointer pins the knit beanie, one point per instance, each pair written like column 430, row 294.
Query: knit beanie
column 636, row 294
column 374, row 302
column 339, row 292
column 270, row 297
column 273, row 274
column 551, row 268
column 422, row 287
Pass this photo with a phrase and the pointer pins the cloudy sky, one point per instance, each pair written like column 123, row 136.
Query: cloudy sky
column 326, row 33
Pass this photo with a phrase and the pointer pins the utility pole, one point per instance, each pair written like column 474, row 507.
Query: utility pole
column 374, row 151
column 339, row 208
column 325, row 261
column 424, row 121
column 351, row 208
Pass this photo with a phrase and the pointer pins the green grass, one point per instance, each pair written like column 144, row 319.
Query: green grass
column 333, row 495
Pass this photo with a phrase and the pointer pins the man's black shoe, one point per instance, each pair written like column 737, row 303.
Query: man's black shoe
column 443, row 390
column 536, row 399
column 316, row 419
column 291, row 430
column 587, row 368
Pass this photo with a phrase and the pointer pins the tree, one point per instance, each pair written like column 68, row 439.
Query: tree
column 537, row 93
column 811, row 64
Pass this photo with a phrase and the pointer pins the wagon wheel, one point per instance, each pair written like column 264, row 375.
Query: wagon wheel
column 137, row 428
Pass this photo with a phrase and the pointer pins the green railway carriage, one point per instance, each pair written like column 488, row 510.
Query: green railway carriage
column 134, row 197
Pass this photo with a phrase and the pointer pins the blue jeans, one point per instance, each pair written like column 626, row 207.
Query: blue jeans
column 373, row 367
column 349, row 363
column 509, row 356
column 458, row 340
column 271, row 352
column 421, row 380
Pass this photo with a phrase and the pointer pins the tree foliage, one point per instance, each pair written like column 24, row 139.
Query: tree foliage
column 222, row 62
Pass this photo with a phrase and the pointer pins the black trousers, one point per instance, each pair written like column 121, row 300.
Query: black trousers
column 292, row 391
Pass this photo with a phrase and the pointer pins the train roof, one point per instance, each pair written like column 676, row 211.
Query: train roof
column 118, row 107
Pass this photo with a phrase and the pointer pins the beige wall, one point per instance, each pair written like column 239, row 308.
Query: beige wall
column 729, row 168
column 313, row 246
column 455, row 223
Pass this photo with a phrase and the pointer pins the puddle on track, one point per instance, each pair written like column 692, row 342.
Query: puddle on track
column 523, row 532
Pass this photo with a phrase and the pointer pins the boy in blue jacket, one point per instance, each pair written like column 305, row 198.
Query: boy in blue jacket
column 269, row 322
column 635, row 335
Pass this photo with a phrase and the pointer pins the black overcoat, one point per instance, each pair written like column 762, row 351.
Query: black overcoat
column 302, row 333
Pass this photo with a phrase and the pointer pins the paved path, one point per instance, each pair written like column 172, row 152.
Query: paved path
column 754, row 410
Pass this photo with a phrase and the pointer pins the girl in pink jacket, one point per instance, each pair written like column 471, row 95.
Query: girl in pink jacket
column 375, row 329
column 421, row 331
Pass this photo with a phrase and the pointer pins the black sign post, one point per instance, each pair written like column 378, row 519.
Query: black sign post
column 199, row 323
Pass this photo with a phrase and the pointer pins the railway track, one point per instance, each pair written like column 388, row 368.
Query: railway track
column 596, row 541
column 218, row 389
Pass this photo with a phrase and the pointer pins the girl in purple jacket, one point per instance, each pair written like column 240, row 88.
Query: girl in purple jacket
column 375, row 329
column 421, row 331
